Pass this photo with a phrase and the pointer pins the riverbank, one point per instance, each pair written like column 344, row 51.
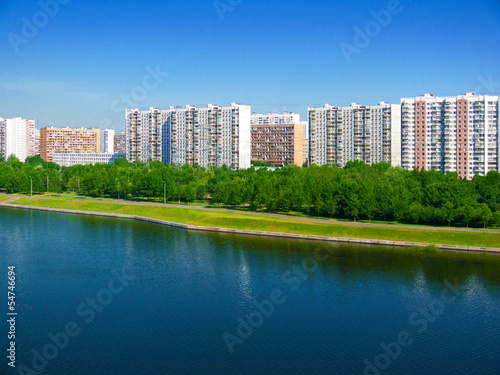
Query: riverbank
column 230, row 222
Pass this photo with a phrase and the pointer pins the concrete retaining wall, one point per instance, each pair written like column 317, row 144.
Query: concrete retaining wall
column 364, row 241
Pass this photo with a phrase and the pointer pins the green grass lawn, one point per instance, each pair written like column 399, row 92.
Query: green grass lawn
column 74, row 197
column 271, row 224
column 209, row 204
column 3, row 198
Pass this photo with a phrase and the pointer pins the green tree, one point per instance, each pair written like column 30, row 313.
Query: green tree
column 483, row 215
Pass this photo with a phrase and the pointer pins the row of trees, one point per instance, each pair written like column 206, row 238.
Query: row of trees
column 356, row 191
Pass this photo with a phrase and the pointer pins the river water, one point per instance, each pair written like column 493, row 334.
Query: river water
column 111, row 296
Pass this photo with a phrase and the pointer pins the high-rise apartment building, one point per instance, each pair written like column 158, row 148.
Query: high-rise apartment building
column 36, row 147
column 144, row 131
column 120, row 143
column 108, row 141
column 17, row 137
column 277, row 139
column 68, row 140
column 3, row 152
column 356, row 132
column 453, row 133
column 210, row 136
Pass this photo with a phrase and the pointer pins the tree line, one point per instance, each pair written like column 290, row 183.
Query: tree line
column 357, row 191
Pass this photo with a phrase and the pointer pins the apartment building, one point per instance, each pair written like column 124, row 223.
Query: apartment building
column 36, row 149
column 452, row 133
column 17, row 136
column 3, row 151
column 108, row 141
column 68, row 140
column 120, row 143
column 144, row 131
column 277, row 139
column 69, row 159
column 209, row 136
column 356, row 132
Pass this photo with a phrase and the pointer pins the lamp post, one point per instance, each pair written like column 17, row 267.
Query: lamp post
column 77, row 183
column 46, row 175
column 31, row 189
column 164, row 193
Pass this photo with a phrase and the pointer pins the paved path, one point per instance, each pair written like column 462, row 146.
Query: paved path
column 323, row 221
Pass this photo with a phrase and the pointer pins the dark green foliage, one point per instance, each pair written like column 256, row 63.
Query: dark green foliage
column 358, row 191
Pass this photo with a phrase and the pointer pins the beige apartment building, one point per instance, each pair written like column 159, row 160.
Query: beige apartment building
column 68, row 140
column 277, row 139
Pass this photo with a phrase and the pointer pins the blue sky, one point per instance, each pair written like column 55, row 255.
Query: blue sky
column 78, row 65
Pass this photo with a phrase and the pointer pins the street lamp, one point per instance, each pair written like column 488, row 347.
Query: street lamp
column 77, row 183
column 164, row 193
column 46, row 175
column 31, row 189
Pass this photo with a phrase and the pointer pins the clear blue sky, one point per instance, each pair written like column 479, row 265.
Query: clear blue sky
column 276, row 55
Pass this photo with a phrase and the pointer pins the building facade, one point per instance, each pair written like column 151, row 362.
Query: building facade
column 108, row 141
column 453, row 133
column 209, row 136
column 17, row 137
column 120, row 143
column 356, row 132
column 69, row 159
column 3, row 151
column 68, row 140
column 277, row 139
column 144, row 134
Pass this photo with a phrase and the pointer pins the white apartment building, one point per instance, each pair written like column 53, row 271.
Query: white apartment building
column 356, row 132
column 108, row 141
column 69, row 159
column 3, row 151
column 17, row 136
column 209, row 136
column 144, row 131
column 452, row 133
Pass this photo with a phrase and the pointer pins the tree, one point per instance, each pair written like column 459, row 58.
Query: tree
column 368, row 200
column 496, row 218
column 190, row 192
column 483, row 215
column 415, row 212
column 350, row 201
column 36, row 159
column 465, row 213
column 13, row 161
column 449, row 212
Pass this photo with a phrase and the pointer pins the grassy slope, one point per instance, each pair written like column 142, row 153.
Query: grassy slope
column 242, row 221
column 3, row 198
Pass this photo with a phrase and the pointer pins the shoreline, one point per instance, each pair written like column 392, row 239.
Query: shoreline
column 351, row 240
